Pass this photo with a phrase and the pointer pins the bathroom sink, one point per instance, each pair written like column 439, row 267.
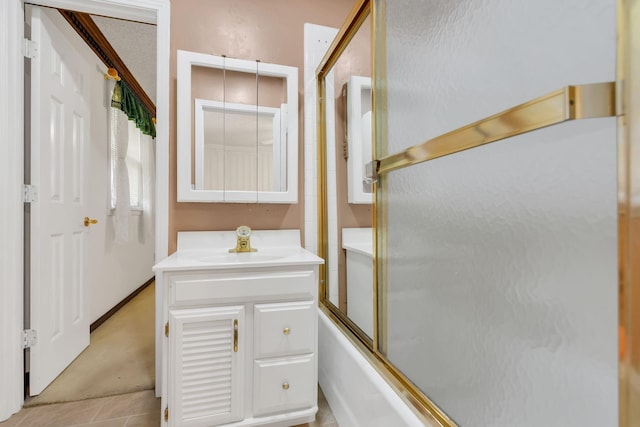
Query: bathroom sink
column 239, row 258
column 209, row 250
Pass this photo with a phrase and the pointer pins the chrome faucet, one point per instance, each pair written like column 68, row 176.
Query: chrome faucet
column 243, row 244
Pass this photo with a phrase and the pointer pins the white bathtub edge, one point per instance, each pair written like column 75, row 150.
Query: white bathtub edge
column 356, row 393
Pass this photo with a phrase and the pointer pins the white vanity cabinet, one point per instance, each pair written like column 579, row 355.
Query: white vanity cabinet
column 240, row 338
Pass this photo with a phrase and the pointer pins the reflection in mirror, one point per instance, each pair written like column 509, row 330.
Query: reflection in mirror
column 359, row 138
column 236, row 140
column 349, row 257
column 226, row 138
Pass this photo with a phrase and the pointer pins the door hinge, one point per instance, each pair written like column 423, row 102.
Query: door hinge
column 166, row 413
column 29, row 338
column 166, row 329
column 29, row 48
column 29, row 193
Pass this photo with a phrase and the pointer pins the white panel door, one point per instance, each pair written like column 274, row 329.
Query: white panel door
column 59, row 145
column 206, row 348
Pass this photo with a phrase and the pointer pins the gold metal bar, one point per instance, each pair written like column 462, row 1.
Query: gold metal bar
column 235, row 335
column 348, row 324
column 379, row 135
column 323, row 227
column 592, row 101
column 356, row 17
column 628, row 103
column 570, row 103
column 354, row 20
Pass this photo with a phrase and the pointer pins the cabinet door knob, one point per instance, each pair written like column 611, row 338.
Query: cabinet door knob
column 286, row 331
column 285, row 386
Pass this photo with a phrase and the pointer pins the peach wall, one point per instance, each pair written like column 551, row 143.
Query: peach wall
column 271, row 31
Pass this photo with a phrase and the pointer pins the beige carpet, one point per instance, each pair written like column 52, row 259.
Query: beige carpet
column 120, row 358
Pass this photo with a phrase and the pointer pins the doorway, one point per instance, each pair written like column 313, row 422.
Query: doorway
column 11, row 212
column 77, row 276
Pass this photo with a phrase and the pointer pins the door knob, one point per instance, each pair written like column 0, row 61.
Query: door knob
column 88, row 221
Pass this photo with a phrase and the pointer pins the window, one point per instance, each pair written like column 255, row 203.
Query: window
column 134, row 165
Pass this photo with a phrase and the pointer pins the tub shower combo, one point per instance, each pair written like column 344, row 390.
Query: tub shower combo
column 477, row 258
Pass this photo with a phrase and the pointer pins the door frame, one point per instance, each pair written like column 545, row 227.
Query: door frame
column 12, row 167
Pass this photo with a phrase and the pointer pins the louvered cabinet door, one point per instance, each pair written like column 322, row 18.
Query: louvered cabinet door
column 206, row 366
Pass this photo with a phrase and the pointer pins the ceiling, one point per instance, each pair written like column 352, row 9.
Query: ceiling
column 136, row 44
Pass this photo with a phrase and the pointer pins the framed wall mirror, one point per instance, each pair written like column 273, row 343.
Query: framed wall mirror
column 237, row 141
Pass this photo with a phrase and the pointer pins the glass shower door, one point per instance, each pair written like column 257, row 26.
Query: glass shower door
column 497, row 266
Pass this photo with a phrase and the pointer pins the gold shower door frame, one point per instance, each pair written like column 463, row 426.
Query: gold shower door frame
column 628, row 96
column 620, row 98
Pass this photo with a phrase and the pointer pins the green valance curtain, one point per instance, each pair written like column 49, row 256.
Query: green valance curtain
column 124, row 99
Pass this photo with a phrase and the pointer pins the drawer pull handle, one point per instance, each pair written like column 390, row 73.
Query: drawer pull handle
column 285, row 386
column 235, row 335
column 286, row 331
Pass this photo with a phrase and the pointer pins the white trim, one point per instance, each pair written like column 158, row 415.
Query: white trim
column 135, row 10
column 186, row 191
column 162, row 163
column 320, row 39
column 11, row 208
column 317, row 39
column 12, row 169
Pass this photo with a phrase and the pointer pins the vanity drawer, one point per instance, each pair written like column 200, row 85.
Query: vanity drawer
column 284, row 329
column 284, row 384
column 200, row 288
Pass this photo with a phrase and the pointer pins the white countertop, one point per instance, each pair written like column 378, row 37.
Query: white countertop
column 209, row 250
column 359, row 248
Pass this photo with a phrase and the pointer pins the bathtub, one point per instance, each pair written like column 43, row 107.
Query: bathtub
column 357, row 394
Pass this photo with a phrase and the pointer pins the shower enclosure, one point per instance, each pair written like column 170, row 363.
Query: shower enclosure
column 504, row 291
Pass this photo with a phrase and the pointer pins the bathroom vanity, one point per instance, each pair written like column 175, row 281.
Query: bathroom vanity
column 240, row 344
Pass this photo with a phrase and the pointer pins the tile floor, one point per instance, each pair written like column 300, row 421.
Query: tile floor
column 133, row 409
column 139, row 409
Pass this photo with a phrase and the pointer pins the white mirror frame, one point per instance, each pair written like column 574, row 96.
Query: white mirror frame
column 186, row 191
column 359, row 142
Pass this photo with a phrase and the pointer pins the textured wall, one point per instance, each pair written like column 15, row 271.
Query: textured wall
column 502, row 278
column 252, row 29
